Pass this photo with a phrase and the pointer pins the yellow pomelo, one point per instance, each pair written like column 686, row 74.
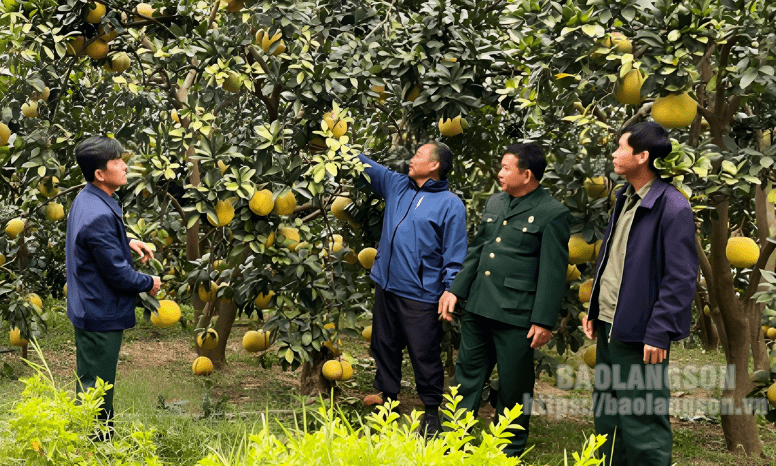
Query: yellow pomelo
column 14, row 227
column 332, row 370
column 595, row 187
column 270, row 239
column 220, row 265
column 366, row 334
column 338, row 208
column 285, row 204
column 42, row 95
column 380, row 91
column 16, row 338
column 628, row 89
column 765, row 330
column 572, row 273
column 48, row 192
column 675, row 110
column 75, row 45
column 118, row 63
column 5, row 134
column 579, row 249
column 30, row 109
column 35, row 300
column 335, row 350
column 254, row 341
column 742, row 251
column 707, row 310
column 450, row 127
column 771, row 395
column 97, row 49
column 202, row 366
column 772, row 333
column 367, row 257
column 261, row 203
column 585, row 290
column 590, row 356
column 54, row 212
column 144, row 9
column 96, row 13
column 207, row 295
column 107, row 36
column 262, row 300
column 350, row 258
column 597, row 249
column 232, row 82
column 2, row 263
column 224, row 212
column 619, row 40
column 208, row 339
column 413, row 93
column 581, row 315
column 338, row 127
column 291, row 234
column 168, row 314
column 347, row 371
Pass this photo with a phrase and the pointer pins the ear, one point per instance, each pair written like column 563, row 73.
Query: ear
column 643, row 157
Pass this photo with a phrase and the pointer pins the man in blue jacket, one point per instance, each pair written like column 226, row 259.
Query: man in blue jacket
column 421, row 249
column 102, row 281
column 642, row 292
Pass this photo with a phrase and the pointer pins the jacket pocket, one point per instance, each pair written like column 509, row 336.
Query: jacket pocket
column 518, row 294
column 530, row 236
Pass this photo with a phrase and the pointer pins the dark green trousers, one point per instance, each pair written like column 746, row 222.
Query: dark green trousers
column 631, row 404
column 97, row 354
column 484, row 343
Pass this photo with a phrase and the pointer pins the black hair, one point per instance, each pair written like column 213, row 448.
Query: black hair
column 529, row 156
column 442, row 154
column 93, row 154
column 651, row 137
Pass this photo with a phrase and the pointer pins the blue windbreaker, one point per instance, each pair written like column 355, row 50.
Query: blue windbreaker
column 423, row 243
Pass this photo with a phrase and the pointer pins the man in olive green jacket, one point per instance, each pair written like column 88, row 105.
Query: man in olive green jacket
column 513, row 279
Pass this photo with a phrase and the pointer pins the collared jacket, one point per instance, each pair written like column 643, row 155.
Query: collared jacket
column 515, row 270
column 102, row 284
column 660, row 269
column 424, row 235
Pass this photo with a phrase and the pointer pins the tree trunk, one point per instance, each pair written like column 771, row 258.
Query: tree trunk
column 226, row 311
column 709, row 336
column 754, row 312
column 739, row 428
column 312, row 382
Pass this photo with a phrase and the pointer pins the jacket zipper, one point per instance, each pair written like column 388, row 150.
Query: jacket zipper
column 601, row 270
column 390, row 254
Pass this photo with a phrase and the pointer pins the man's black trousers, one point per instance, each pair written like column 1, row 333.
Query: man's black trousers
column 397, row 323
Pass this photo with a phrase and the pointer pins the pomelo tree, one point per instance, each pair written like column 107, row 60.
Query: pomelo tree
column 219, row 101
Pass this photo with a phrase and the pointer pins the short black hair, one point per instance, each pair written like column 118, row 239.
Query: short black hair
column 529, row 156
column 93, row 154
column 443, row 155
column 651, row 137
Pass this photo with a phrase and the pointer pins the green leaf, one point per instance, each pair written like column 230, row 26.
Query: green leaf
column 749, row 76
column 289, row 355
column 593, row 30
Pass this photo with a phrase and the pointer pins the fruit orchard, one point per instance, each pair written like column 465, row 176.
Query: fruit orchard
column 242, row 120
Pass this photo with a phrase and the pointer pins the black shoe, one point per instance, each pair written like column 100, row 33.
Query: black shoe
column 430, row 425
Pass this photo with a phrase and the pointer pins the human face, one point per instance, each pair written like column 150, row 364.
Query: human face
column 423, row 165
column 512, row 179
column 114, row 175
column 625, row 162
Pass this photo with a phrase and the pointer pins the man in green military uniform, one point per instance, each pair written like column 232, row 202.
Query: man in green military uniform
column 513, row 279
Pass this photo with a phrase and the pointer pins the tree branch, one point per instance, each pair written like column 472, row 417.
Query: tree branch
column 642, row 113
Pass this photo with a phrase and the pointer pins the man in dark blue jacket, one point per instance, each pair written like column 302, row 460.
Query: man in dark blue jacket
column 642, row 292
column 102, row 281
column 421, row 249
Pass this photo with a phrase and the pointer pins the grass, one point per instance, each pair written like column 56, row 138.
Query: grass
column 155, row 387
